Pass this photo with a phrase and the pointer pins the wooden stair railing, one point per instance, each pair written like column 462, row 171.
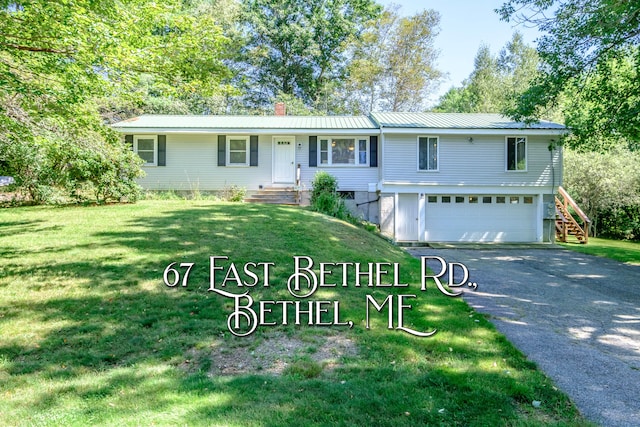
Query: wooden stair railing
column 566, row 225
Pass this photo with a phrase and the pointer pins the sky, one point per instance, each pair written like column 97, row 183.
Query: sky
column 464, row 26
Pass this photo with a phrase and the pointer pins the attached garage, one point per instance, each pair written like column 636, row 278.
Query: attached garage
column 467, row 218
column 481, row 218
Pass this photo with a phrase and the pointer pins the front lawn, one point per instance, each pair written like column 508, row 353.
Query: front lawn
column 89, row 334
column 623, row 251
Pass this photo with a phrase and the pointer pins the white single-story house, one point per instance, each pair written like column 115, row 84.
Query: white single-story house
column 423, row 177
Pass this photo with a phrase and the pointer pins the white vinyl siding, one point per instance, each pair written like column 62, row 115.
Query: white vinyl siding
column 147, row 148
column 477, row 163
column 192, row 164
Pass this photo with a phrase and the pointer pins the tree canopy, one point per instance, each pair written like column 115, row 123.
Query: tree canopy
column 58, row 58
column 298, row 47
column 496, row 80
column 393, row 65
column 590, row 66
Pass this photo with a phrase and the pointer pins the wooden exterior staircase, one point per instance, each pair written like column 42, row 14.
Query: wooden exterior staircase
column 566, row 224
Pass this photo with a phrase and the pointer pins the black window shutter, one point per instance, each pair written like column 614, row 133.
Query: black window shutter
column 222, row 150
column 129, row 140
column 162, row 150
column 253, row 150
column 313, row 151
column 373, row 152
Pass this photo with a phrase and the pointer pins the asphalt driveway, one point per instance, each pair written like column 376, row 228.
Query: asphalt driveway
column 576, row 316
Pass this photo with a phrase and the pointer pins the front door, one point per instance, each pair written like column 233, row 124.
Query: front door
column 284, row 159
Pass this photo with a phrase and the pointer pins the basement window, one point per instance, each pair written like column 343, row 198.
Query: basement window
column 347, row 195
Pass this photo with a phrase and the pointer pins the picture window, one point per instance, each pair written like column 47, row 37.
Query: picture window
column 338, row 151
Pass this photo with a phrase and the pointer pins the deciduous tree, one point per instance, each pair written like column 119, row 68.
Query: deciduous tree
column 590, row 49
column 393, row 66
column 296, row 47
column 496, row 82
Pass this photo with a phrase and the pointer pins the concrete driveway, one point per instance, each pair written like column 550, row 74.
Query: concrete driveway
column 576, row 316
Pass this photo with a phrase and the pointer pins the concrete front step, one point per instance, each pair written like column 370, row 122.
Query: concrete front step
column 277, row 196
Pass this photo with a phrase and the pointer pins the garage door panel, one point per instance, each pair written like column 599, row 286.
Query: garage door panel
column 481, row 222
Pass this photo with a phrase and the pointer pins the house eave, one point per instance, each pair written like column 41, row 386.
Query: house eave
column 248, row 131
column 472, row 131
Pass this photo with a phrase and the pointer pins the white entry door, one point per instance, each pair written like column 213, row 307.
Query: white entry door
column 407, row 218
column 284, row 159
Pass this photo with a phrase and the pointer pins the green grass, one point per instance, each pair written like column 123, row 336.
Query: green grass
column 90, row 335
column 620, row 250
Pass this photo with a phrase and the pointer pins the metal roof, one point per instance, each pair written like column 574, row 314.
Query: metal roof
column 152, row 121
column 456, row 121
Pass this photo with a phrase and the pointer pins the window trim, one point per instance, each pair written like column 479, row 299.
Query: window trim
column 506, row 154
column 155, row 148
column 437, row 138
column 247, row 151
column 356, row 143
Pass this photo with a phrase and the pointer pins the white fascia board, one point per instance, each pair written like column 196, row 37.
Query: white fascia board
column 408, row 187
column 472, row 132
column 236, row 131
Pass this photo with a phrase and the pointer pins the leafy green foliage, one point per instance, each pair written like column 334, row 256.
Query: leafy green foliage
column 591, row 58
column 393, row 65
column 495, row 82
column 296, row 47
column 325, row 197
column 56, row 58
column 607, row 188
column 233, row 193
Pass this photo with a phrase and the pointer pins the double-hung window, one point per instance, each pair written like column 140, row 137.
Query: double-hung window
column 238, row 151
column 428, row 153
column 147, row 148
column 516, row 153
column 336, row 151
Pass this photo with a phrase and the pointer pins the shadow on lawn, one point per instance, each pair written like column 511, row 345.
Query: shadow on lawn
column 121, row 334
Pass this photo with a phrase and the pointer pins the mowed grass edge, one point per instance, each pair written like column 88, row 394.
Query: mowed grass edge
column 619, row 250
column 89, row 334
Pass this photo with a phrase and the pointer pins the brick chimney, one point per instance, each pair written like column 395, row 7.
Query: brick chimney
column 281, row 109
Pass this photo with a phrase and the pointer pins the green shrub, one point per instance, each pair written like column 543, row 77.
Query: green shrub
column 323, row 183
column 233, row 193
column 325, row 197
column 70, row 164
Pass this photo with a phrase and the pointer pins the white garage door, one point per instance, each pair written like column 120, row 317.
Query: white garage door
column 480, row 218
